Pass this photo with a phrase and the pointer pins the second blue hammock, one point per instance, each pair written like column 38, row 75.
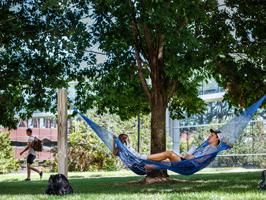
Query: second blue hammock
column 230, row 134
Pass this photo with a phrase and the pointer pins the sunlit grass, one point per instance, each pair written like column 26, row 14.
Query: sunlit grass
column 122, row 185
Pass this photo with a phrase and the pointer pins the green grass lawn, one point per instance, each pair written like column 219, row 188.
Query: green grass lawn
column 118, row 185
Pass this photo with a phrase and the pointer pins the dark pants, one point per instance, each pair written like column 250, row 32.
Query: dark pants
column 30, row 159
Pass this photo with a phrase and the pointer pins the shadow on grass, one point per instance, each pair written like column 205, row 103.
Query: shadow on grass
column 227, row 182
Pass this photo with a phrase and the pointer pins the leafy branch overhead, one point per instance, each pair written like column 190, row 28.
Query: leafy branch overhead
column 157, row 54
column 42, row 46
column 163, row 50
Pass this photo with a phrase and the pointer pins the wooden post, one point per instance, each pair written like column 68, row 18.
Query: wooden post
column 62, row 131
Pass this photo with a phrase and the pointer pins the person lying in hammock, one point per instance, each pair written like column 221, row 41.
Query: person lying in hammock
column 213, row 140
column 125, row 140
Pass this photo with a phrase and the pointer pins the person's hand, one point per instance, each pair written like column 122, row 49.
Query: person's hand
column 189, row 156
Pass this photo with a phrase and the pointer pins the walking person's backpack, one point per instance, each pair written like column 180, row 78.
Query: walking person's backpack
column 262, row 183
column 58, row 185
column 37, row 144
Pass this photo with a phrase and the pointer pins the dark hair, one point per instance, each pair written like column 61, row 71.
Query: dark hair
column 215, row 131
column 121, row 135
column 29, row 130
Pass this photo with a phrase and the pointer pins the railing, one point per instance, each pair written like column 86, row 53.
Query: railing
column 211, row 91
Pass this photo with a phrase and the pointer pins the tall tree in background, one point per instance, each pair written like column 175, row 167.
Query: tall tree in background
column 158, row 52
column 41, row 46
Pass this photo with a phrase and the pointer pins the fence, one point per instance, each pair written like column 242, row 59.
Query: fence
column 249, row 151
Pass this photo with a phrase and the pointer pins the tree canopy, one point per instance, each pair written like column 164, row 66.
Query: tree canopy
column 42, row 44
column 158, row 53
column 197, row 40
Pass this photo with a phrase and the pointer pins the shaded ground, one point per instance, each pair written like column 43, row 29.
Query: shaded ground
column 120, row 185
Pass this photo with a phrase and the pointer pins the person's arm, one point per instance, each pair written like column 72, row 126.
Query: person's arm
column 188, row 156
column 27, row 148
column 115, row 149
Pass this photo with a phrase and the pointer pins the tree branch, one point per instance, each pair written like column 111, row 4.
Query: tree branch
column 141, row 76
column 171, row 89
column 96, row 52
column 160, row 48
column 136, row 36
column 148, row 40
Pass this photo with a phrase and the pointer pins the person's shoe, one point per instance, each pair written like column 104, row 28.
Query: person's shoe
column 41, row 173
column 27, row 179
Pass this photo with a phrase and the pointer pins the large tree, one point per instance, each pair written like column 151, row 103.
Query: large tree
column 158, row 52
column 42, row 43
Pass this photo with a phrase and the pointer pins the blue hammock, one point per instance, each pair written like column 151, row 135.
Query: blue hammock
column 230, row 134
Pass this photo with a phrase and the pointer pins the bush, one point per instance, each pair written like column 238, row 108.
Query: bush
column 88, row 153
column 8, row 162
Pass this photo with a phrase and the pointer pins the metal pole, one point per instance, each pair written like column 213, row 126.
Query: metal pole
column 138, row 132
column 176, row 136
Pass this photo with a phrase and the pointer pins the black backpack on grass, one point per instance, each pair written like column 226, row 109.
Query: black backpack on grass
column 58, row 185
column 262, row 183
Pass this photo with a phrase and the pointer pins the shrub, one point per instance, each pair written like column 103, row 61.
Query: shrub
column 88, row 153
column 8, row 162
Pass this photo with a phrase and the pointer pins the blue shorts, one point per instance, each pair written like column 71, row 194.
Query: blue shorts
column 30, row 158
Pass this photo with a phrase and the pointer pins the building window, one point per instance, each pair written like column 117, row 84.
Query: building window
column 36, row 123
column 22, row 124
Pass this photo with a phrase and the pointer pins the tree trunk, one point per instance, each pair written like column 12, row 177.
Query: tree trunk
column 158, row 138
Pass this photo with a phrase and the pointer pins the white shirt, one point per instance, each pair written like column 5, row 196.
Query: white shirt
column 206, row 150
column 141, row 156
column 144, row 157
column 31, row 150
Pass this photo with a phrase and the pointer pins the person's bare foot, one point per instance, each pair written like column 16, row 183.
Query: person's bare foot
column 27, row 179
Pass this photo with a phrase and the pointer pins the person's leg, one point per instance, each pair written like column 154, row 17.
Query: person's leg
column 150, row 167
column 28, row 171
column 35, row 169
column 30, row 161
column 173, row 157
column 28, row 168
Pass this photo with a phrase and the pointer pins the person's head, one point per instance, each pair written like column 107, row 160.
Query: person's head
column 123, row 138
column 214, row 137
column 29, row 132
